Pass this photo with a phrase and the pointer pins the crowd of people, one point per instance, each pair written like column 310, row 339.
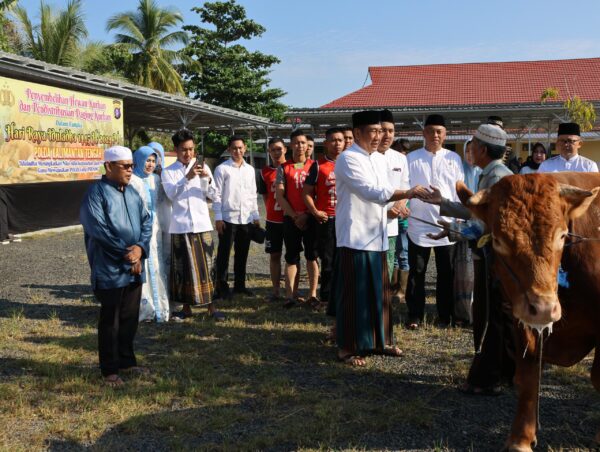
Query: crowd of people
column 366, row 215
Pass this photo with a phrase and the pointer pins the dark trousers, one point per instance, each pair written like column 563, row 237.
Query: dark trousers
column 3, row 216
column 326, row 247
column 418, row 257
column 495, row 363
column 239, row 236
column 119, row 311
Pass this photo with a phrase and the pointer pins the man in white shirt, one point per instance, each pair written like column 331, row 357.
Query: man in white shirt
column 187, row 183
column 435, row 166
column 568, row 143
column 398, row 175
column 235, row 208
column 361, row 286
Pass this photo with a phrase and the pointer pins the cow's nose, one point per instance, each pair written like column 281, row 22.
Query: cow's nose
column 544, row 310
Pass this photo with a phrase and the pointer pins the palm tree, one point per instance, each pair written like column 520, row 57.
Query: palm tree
column 58, row 36
column 146, row 32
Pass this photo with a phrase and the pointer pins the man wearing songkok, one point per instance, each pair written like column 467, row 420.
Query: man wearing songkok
column 431, row 165
column 568, row 143
column 187, row 183
column 117, row 230
column 235, row 208
column 361, row 287
column 492, row 327
column 398, row 176
column 298, row 226
column 319, row 197
column 274, row 223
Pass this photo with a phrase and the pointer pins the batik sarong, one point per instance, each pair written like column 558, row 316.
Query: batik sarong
column 361, row 290
column 191, row 272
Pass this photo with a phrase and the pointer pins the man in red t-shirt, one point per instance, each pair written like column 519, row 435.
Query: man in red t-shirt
column 298, row 226
column 274, row 225
column 319, row 197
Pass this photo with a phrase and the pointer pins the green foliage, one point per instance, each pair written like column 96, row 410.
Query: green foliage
column 581, row 112
column 57, row 37
column 113, row 60
column 576, row 109
column 147, row 34
column 231, row 75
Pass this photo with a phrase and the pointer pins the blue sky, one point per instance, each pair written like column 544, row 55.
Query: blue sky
column 326, row 46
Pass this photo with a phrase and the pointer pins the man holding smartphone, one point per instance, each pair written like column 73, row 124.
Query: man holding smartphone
column 187, row 183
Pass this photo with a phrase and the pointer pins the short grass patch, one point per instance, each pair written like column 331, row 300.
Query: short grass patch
column 265, row 379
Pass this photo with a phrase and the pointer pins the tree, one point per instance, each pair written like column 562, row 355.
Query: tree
column 231, row 75
column 576, row 109
column 146, row 33
column 113, row 60
column 58, row 36
column 9, row 37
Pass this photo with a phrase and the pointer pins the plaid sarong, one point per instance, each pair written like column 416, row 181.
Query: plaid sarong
column 191, row 272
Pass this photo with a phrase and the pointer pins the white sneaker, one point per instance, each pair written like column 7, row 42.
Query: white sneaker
column 14, row 238
column 5, row 242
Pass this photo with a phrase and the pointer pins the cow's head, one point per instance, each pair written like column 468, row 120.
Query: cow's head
column 528, row 219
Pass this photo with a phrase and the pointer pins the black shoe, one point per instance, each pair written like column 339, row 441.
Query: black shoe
column 181, row 315
column 244, row 291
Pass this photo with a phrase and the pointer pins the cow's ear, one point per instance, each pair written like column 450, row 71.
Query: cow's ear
column 478, row 203
column 578, row 199
column 463, row 192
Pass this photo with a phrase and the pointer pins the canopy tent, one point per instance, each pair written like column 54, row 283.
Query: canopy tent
column 28, row 207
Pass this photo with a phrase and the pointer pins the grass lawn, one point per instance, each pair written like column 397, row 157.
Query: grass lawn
column 263, row 379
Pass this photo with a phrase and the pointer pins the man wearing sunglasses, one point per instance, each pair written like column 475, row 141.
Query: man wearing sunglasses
column 568, row 143
column 117, row 230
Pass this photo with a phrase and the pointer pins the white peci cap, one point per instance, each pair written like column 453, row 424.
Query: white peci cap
column 491, row 134
column 116, row 153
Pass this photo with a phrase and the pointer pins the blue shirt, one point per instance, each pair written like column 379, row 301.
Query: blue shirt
column 113, row 220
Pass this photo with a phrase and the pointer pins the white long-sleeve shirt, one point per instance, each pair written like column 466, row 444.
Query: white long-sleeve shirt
column 363, row 190
column 188, row 197
column 442, row 170
column 576, row 163
column 235, row 193
column 398, row 175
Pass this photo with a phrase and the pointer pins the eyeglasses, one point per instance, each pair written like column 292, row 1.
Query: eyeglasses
column 125, row 166
column 571, row 142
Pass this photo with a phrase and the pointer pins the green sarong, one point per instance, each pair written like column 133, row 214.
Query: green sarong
column 361, row 290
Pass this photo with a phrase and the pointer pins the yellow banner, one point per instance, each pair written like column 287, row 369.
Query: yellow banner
column 53, row 134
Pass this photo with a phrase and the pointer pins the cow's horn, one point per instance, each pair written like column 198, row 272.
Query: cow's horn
column 479, row 198
column 570, row 191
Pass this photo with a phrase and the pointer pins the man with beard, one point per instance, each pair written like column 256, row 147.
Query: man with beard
column 117, row 230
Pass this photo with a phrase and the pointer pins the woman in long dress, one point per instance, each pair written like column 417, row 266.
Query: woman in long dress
column 164, row 207
column 155, row 303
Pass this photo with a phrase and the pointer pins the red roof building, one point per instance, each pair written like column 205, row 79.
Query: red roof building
column 466, row 94
column 520, row 82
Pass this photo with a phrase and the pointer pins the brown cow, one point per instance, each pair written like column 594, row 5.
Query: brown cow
column 529, row 218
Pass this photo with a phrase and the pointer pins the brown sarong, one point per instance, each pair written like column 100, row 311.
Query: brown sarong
column 190, row 279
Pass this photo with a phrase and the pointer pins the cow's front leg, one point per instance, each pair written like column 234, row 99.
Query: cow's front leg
column 522, row 436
